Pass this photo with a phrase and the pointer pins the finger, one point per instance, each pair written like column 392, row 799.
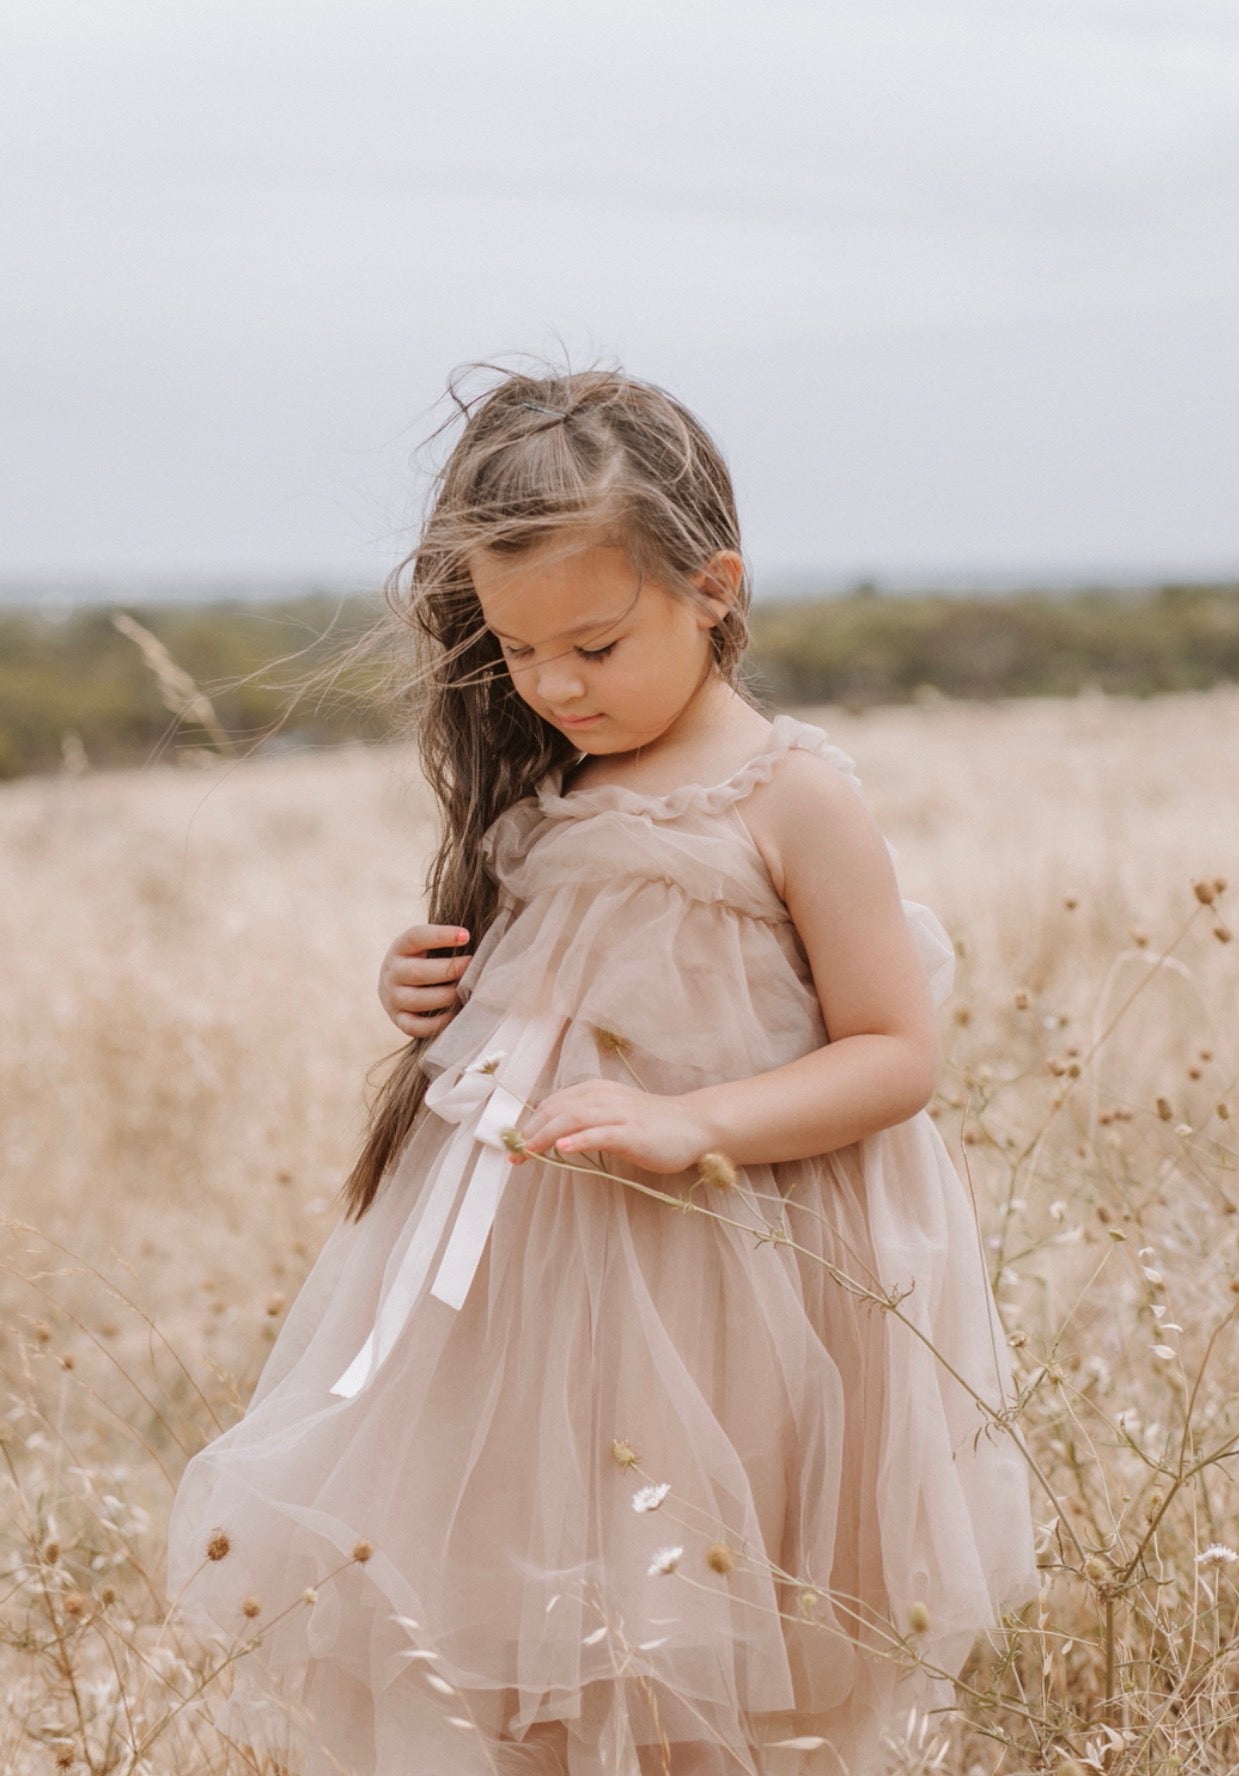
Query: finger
column 420, row 971
column 429, row 937
column 555, row 1131
column 585, row 1140
column 420, row 1000
column 426, row 1025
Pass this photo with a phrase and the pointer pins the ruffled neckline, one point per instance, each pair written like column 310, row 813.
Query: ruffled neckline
column 785, row 730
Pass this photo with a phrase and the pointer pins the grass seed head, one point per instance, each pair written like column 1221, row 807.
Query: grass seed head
column 362, row 1551
column 918, row 1618
column 718, row 1170
column 219, row 1545
column 719, row 1558
column 610, row 1041
column 251, row 1608
column 624, row 1453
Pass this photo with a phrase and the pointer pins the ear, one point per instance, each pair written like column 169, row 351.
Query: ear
column 720, row 579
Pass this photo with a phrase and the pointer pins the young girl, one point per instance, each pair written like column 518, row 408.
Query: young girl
column 648, row 1412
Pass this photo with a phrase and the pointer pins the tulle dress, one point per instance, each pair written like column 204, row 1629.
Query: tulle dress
column 645, row 1488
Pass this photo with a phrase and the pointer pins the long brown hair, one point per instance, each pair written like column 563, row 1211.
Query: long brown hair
column 592, row 451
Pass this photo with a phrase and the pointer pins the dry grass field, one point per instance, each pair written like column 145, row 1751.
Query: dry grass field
column 188, row 1012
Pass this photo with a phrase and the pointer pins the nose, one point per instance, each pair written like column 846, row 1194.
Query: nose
column 559, row 682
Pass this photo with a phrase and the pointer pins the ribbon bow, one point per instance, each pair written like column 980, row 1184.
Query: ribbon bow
column 472, row 1097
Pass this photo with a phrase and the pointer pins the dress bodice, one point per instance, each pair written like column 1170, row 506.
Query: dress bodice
column 655, row 918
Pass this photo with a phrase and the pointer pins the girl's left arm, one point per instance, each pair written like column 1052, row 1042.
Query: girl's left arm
column 880, row 1064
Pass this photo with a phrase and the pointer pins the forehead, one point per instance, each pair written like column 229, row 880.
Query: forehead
column 556, row 589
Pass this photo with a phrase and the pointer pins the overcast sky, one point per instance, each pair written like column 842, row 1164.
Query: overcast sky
column 954, row 282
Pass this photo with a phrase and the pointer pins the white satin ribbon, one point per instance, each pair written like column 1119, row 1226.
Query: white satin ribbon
column 482, row 1106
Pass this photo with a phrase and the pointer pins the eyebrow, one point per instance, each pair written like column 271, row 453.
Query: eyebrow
column 578, row 629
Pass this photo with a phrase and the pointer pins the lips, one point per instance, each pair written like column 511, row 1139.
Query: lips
column 577, row 721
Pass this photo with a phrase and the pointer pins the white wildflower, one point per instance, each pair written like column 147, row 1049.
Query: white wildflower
column 487, row 1063
column 1217, row 1554
column 648, row 1498
column 665, row 1561
column 1165, row 1351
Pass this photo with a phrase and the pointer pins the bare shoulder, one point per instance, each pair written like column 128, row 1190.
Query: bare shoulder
column 806, row 805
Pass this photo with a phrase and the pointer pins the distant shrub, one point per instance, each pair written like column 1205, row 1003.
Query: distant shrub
column 81, row 677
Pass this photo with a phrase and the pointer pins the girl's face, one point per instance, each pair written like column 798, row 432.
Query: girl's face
column 584, row 637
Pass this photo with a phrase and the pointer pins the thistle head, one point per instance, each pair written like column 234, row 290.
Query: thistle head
column 718, row 1170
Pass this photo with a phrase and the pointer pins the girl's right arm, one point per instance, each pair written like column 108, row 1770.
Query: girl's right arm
column 414, row 986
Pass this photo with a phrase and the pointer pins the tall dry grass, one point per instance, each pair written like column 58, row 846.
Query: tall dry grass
column 189, row 1012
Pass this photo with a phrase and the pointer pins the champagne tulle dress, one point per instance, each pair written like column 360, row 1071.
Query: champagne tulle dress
column 817, row 1496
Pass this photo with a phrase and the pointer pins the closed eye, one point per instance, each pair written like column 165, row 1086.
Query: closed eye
column 585, row 653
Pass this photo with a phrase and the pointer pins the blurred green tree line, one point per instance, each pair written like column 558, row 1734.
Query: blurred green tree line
column 79, row 689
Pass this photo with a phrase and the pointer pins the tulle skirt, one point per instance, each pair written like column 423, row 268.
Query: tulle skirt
column 639, row 1489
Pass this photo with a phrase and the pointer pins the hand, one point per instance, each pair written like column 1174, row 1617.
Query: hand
column 659, row 1134
column 412, row 984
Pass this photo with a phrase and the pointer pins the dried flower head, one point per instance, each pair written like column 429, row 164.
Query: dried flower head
column 719, row 1557
column 219, row 1545
column 75, row 1603
column 362, row 1551
column 309, row 1595
column 918, row 1617
column 1165, row 1109
column 51, row 1552
column 610, row 1041
column 624, row 1453
column 275, row 1305
column 648, row 1498
column 665, row 1561
column 107, row 1595
column 251, row 1607
column 1205, row 892
column 1217, row 1554
column 488, row 1063
column 718, row 1170
column 64, row 1758
column 513, row 1140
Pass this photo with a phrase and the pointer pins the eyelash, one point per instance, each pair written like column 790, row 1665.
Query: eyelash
column 585, row 653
